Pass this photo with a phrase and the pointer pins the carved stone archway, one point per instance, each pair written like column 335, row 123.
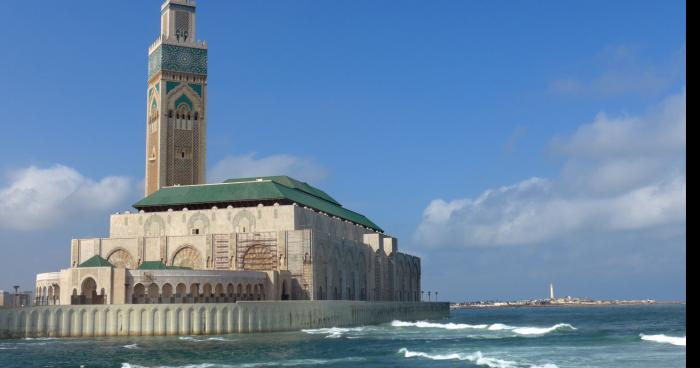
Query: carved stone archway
column 121, row 258
column 259, row 258
column 187, row 256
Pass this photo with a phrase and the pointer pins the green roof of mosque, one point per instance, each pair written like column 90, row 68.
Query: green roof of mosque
column 158, row 265
column 253, row 189
column 291, row 183
column 96, row 261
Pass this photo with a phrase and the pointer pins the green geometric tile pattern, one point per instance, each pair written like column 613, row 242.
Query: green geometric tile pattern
column 184, row 99
column 169, row 86
column 177, row 59
column 197, row 88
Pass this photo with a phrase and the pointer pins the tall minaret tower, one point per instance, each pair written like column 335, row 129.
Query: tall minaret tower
column 176, row 127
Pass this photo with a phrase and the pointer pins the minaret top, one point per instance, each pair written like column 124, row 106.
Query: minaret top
column 177, row 21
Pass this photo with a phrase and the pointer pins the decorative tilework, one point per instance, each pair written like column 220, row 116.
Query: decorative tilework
column 177, row 59
column 184, row 99
column 158, row 87
column 154, row 61
column 197, row 88
column 170, row 85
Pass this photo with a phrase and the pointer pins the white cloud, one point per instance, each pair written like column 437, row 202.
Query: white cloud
column 622, row 173
column 248, row 165
column 37, row 198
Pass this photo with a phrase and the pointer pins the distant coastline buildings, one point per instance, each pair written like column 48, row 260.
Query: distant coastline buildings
column 15, row 299
column 551, row 301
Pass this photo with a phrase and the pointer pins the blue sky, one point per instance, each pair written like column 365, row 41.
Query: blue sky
column 509, row 144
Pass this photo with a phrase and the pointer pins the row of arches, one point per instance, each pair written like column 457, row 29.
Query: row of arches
column 155, row 293
column 48, row 295
column 257, row 257
column 349, row 272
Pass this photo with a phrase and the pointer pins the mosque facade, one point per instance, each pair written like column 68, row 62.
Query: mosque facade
column 258, row 238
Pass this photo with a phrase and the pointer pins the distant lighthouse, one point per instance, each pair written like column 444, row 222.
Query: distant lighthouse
column 551, row 291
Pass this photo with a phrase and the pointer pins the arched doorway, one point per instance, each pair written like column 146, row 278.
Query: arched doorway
column 139, row 294
column 88, row 292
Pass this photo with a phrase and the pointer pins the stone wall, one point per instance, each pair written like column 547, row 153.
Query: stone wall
column 205, row 319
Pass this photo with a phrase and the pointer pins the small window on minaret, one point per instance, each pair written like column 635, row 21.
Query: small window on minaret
column 196, row 115
column 182, row 154
column 170, row 113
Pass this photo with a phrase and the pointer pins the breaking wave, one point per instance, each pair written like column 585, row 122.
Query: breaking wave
column 674, row 340
column 447, row 326
column 286, row 363
column 131, row 346
column 477, row 358
column 492, row 327
column 334, row 332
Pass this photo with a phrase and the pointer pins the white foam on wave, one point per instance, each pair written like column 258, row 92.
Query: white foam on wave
column 131, row 346
column 334, row 332
column 543, row 330
column 492, row 327
column 477, row 358
column 195, row 339
column 674, row 340
column 40, row 338
column 285, row 363
column 447, row 326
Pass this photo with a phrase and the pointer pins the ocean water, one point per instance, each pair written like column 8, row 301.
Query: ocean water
column 545, row 337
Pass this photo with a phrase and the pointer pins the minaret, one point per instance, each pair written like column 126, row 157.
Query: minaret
column 176, row 126
column 551, row 291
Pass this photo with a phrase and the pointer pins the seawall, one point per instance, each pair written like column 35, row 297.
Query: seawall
column 205, row 319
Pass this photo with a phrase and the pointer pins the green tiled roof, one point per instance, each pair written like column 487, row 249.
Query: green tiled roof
column 253, row 189
column 291, row 183
column 96, row 261
column 158, row 265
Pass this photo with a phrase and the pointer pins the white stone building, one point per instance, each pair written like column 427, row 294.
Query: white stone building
column 266, row 238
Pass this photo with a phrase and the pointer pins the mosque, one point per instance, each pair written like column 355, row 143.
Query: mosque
column 258, row 238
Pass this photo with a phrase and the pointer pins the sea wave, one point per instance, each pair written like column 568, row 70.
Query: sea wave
column 477, row 358
column 334, row 332
column 285, row 363
column 527, row 330
column 447, row 326
column 196, row 339
column 674, row 340
column 131, row 346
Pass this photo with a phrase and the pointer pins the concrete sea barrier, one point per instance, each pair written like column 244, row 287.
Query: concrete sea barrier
column 205, row 319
